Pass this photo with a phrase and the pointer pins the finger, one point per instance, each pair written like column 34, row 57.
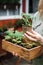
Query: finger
column 30, row 38
column 31, row 34
column 15, row 54
column 34, row 32
column 37, row 35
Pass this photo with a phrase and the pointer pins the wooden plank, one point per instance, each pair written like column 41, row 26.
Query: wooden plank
column 27, row 54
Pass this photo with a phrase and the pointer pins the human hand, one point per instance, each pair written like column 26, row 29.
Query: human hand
column 15, row 54
column 33, row 36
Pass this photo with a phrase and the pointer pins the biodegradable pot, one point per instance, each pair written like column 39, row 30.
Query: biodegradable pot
column 26, row 28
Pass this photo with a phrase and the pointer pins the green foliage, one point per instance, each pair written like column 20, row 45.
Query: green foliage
column 18, row 23
column 27, row 19
column 7, row 37
column 16, row 38
column 8, row 32
column 16, row 41
column 18, row 35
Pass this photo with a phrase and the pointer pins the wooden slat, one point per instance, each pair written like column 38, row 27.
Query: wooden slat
column 27, row 54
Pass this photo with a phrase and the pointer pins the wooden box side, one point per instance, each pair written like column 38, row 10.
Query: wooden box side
column 27, row 54
column 35, row 52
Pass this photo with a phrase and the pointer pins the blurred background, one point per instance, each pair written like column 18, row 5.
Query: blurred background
column 16, row 7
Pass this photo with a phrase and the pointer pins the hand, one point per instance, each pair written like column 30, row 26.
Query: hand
column 15, row 54
column 33, row 36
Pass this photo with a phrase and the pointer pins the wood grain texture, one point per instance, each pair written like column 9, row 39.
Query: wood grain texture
column 27, row 54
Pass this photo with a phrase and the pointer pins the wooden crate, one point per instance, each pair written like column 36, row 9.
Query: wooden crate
column 27, row 54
